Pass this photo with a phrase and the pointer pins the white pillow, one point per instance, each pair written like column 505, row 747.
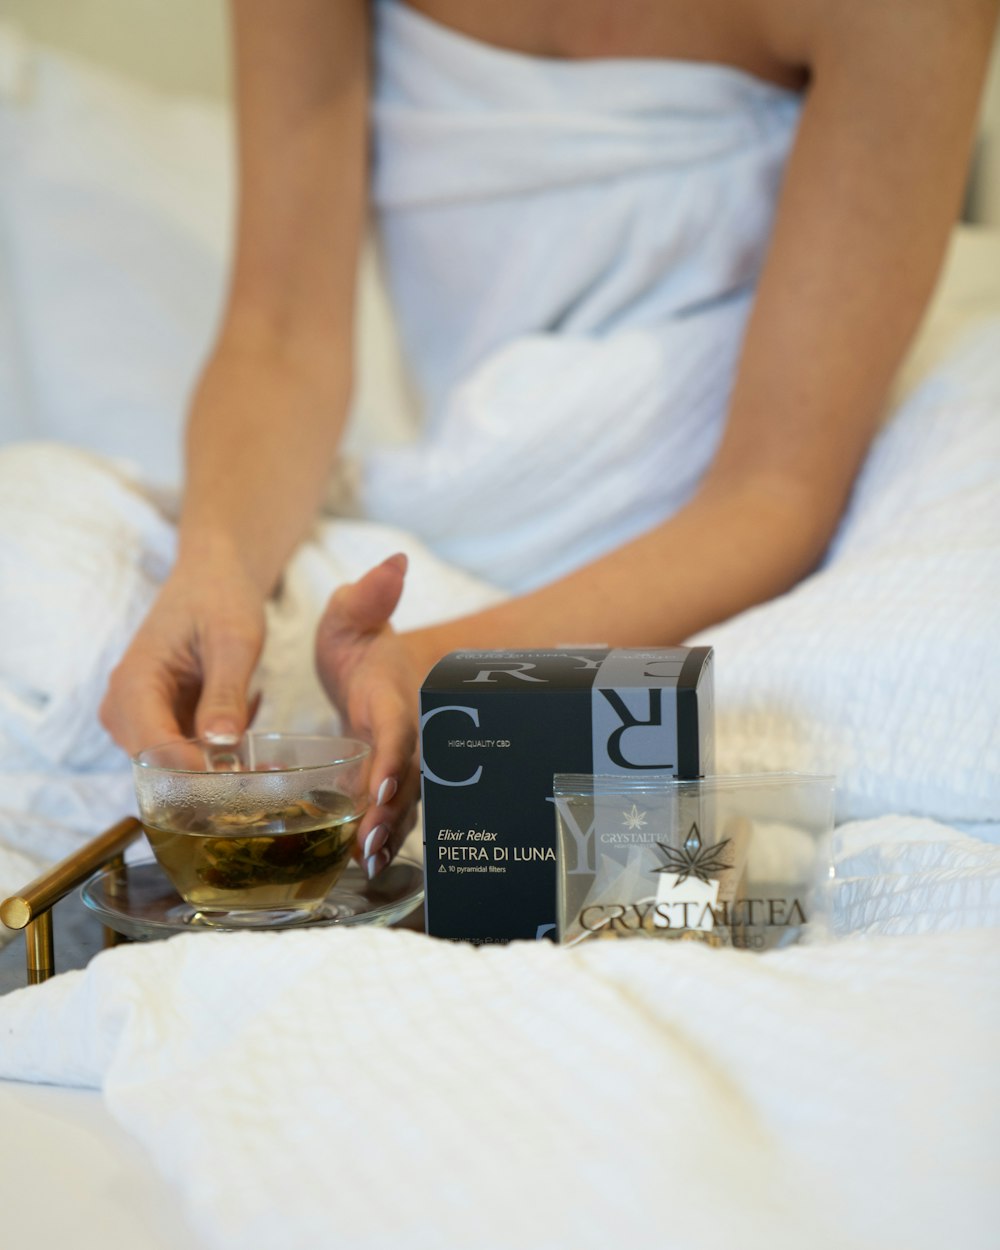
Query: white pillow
column 114, row 207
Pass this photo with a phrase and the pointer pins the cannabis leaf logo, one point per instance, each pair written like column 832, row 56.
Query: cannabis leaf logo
column 693, row 859
column 634, row 819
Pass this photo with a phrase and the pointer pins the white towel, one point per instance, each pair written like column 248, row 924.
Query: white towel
column 570, row 248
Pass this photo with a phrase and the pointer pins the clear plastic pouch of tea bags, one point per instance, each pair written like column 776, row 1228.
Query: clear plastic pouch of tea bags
column 739, row 861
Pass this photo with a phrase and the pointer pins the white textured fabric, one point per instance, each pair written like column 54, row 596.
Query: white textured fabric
column 619, row 1093
column 905, row 874
column 372, row 1089
column 83, row 551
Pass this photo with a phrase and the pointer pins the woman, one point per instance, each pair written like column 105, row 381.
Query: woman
column 871, row 187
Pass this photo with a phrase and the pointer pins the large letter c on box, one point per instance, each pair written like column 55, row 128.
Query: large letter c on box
column 426, row 769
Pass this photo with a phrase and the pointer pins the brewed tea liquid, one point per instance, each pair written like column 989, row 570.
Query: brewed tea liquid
column 263, row 859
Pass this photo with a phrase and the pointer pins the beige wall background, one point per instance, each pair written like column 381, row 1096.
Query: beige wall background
column 180, row 45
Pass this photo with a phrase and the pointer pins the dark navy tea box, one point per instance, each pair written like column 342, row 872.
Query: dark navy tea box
column 495, row 726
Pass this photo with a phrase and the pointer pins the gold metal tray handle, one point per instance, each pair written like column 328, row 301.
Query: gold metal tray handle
column 31, row 908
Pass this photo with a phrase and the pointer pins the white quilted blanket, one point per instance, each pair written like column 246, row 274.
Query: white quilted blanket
column 360, row 1089
column 369, row 1089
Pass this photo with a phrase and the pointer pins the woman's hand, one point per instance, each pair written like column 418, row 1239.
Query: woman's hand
column 188, row 668
column 269, row 409
column 372, row 675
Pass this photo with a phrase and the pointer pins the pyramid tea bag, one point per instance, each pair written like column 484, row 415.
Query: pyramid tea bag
column 730, row 861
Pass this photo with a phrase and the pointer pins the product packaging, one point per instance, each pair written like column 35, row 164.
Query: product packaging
column 496, row 726
column 738, row 861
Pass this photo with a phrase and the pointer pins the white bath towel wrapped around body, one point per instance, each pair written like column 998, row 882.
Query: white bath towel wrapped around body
column 571, row 250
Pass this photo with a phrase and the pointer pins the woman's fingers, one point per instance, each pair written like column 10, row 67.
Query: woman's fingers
column 391, row 723
column 367, row 674
column 372, row 599
column 396, row 819
column 355, row 616
column 188, row 668
column 230, row 651
column 136, row 710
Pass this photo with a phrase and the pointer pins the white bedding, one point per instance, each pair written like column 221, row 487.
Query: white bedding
column 359, row 1089
column 844, row 1094
column 373, row 1089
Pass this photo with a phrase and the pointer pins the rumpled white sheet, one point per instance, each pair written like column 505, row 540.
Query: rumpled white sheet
column 370, row 1088
column 905, row 874
column 287, row 1084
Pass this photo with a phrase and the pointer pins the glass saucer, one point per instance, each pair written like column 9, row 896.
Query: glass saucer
column 139, row 902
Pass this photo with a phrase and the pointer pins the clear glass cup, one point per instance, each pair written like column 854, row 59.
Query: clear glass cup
column 256, row 834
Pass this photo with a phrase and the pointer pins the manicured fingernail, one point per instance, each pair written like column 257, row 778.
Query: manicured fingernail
column 375, row 863
column 386, row 791
column 376, row 839
column 222, row 735
column 398, row 561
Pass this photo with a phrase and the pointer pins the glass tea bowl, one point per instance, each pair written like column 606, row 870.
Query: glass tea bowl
column 256, row 834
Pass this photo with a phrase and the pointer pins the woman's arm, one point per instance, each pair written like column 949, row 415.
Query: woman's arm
column 872, row 189
column 268, row 412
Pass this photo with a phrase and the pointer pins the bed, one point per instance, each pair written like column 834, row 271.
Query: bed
column 369, row 1089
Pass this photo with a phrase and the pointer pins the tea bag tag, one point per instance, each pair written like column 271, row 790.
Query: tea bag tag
column 701, row 896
